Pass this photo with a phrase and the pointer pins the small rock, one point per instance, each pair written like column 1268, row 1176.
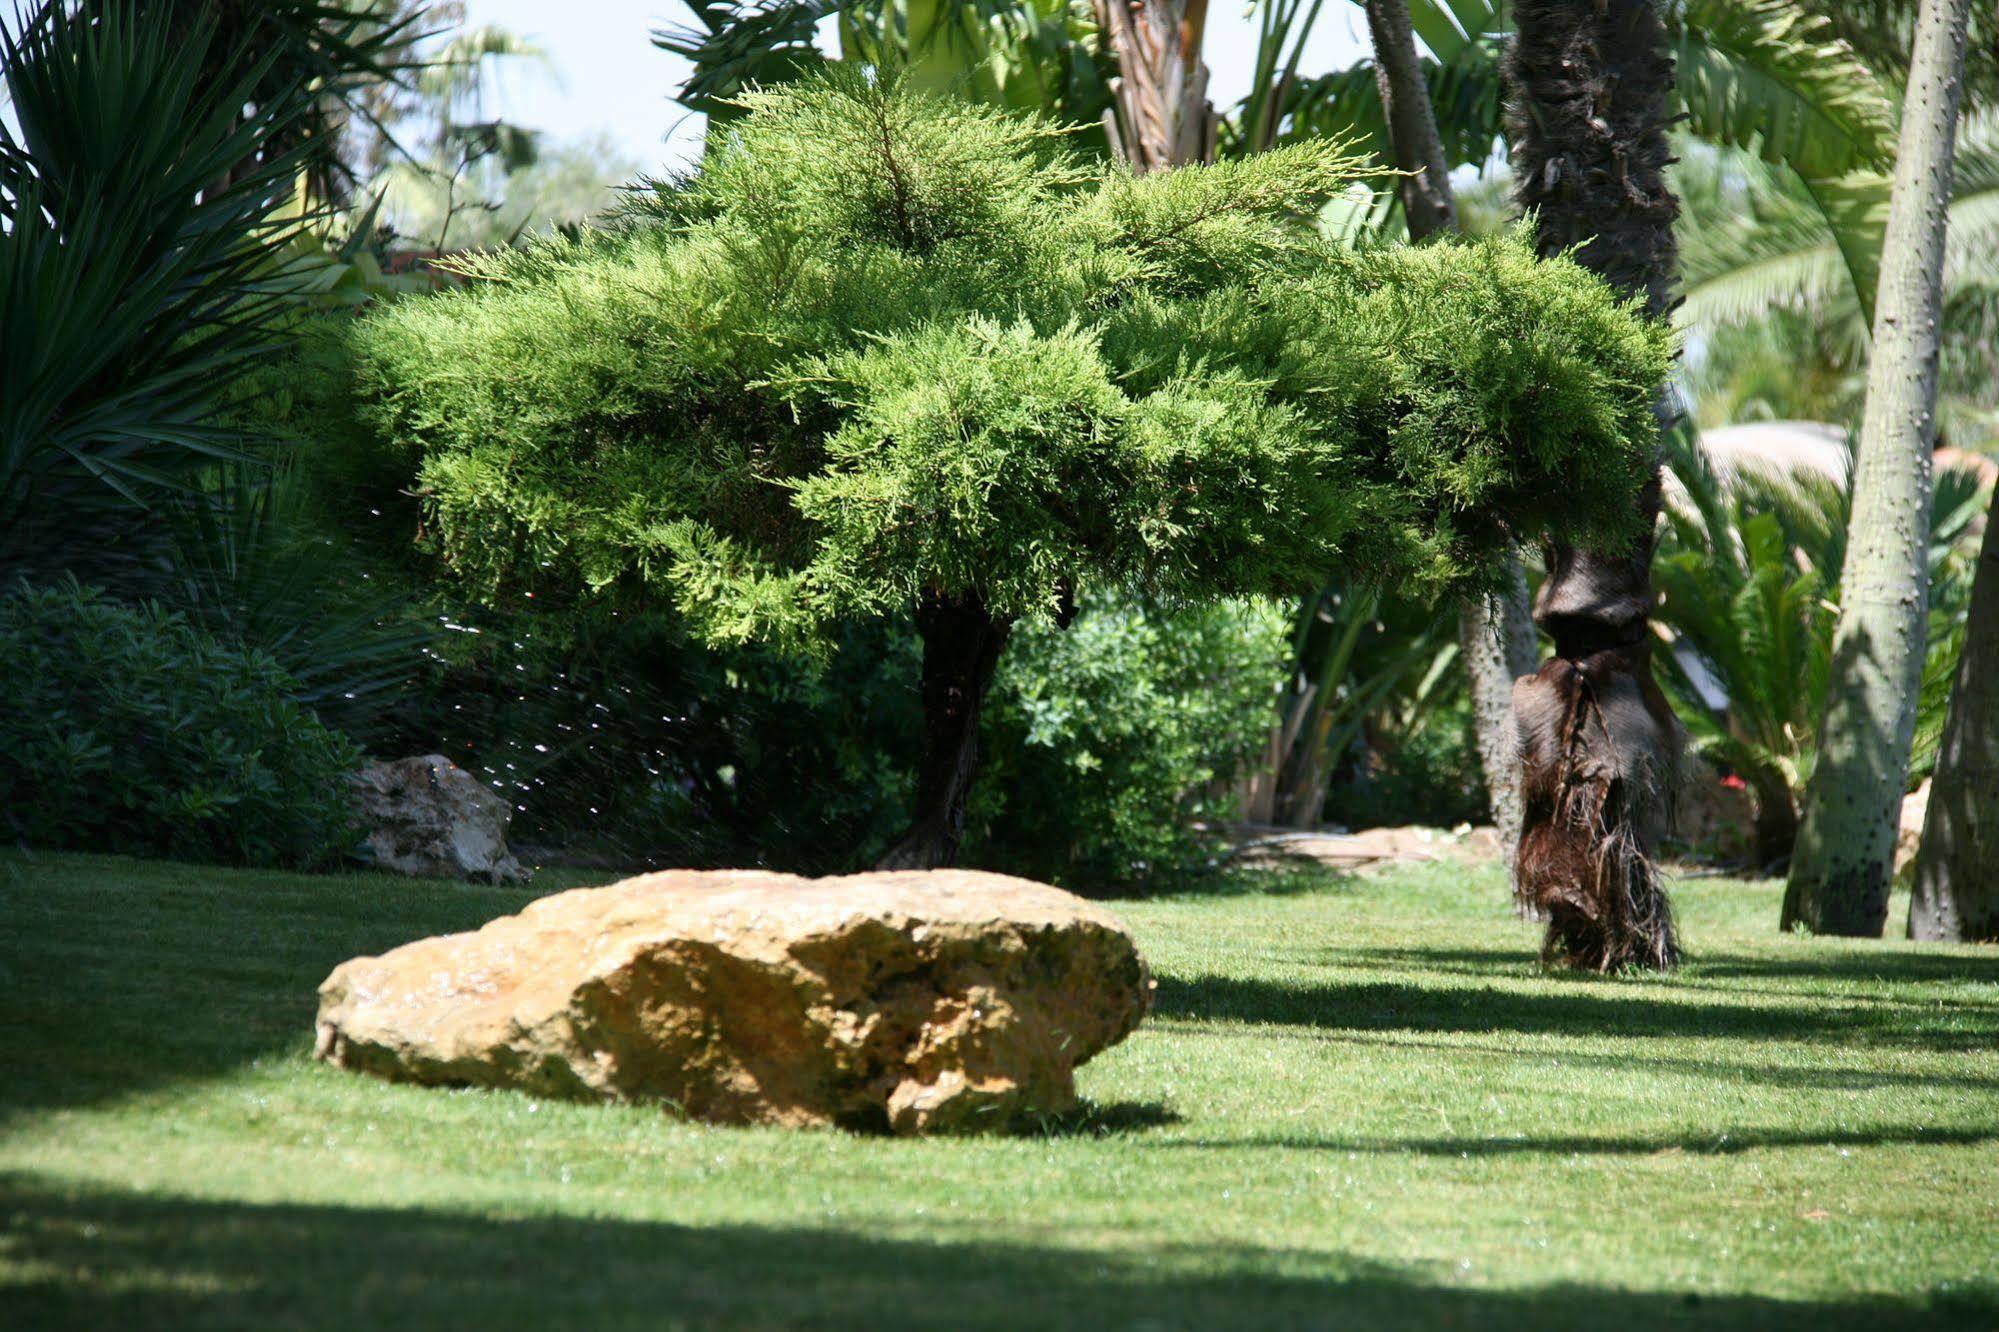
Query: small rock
column 924, row 1001
column 428, row 817
column 1366, row 850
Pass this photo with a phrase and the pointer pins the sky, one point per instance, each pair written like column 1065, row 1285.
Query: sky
column 604, row 74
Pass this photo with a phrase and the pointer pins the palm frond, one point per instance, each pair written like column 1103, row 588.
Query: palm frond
column 131, row 283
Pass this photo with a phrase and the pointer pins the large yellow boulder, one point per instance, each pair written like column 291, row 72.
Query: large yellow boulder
column 944, row 1000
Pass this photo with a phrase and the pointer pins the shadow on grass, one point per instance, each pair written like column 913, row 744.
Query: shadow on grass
column 119, row 975
column 1898, row 967
column 1288, row 878
column 1604, row 1010
column 1813, row 1077
column 1090, row 1119
column 1703, row 1143
column 122, row 1260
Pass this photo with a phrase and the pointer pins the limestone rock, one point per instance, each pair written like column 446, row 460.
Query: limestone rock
column 428, row 817
column 923, row 1001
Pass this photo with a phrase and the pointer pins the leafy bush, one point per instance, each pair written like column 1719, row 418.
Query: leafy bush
column 1429, row 775
column 129, row 729
column 253, row 560
column 1105, row 742
column 619, row 739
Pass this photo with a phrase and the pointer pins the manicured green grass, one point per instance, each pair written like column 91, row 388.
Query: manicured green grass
column 1356, row 1105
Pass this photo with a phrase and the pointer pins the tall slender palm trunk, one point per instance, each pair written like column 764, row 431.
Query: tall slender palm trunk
column 1600, row 748
column 1495, row 638
column 1846, row 847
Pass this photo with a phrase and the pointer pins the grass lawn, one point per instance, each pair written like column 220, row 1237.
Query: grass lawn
column 1357, row 1104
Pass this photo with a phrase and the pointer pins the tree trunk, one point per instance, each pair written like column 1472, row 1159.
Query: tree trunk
column 1956, row 897
column 1160, row 115
column 1496, row 640
column 1588, row 114
column 961, row 647
column 1846, row 848
column 1428, row 206
column 1776, row 816
column 1494, row 637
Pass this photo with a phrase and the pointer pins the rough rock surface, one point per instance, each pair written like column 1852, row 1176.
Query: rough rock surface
column 427, row 816
column 924, row 1001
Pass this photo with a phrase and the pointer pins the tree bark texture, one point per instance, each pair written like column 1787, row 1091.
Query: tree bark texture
column 1428, row 205
column 1496, row 641
column 1588, row 110
column 962, row 643
column 1956, row 898
column 1160, row 115
column 1845, row 854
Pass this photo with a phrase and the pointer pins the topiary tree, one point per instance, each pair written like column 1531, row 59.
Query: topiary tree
column 888, row 353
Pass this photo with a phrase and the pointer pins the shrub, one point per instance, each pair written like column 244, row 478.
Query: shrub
column 1428, row 774
column 129, row 729
column 1106, row 742
column 889, row 352
column 618, row 738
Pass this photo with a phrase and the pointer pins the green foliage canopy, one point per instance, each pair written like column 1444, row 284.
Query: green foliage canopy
column 887, row 346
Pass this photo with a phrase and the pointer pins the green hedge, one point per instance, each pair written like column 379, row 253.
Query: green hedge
column 128, row 729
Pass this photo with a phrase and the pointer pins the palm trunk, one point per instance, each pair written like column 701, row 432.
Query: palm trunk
column 1956, row 897
column 1776, row 815
column 1494, row 636
column 1160, row 116
column 1588, row 114
column 962, row 642
column 1846, row 849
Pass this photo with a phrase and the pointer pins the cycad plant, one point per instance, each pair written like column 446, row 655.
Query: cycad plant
column 1748, row 573
column 157, row 247
column 133, row 286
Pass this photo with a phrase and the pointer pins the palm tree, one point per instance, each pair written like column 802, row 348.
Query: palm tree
column 1161, row 114
column 1840, row 874
column 1592, row 86
column 1027, row 55
column 1762, row 268
column 1768, row 76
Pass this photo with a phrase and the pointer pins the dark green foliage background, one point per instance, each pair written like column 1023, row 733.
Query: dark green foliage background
column 621, row 740
column 129, row 729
